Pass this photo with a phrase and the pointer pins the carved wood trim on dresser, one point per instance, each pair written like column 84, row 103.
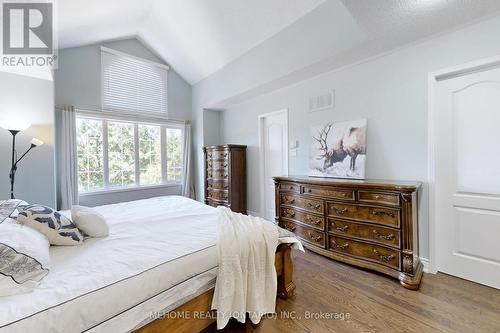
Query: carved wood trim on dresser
column 367, row 223
column 225, row 177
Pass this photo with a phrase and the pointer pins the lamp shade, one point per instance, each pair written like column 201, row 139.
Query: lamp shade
column 14, row 125
column 36, row 142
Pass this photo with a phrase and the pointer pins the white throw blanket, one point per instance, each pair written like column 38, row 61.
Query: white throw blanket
column 246, row 279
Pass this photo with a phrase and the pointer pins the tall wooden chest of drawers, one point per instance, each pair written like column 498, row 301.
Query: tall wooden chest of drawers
column 225, row 177
column 367, row 223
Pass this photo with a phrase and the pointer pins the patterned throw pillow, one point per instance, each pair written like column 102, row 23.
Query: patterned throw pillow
column 24, row 258
column 58, row 229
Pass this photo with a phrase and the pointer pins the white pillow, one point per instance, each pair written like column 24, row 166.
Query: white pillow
column 24, row 258
column 89, row 221
column 58, row 229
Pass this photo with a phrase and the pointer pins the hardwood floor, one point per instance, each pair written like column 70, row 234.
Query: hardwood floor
column 374, row 303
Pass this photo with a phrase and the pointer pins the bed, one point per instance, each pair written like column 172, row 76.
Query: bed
column 160, row 256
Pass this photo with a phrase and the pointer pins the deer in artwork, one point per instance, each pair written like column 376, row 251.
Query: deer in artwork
column 336, row 154
column 354, row 144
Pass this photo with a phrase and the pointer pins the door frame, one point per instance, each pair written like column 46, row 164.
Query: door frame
column 262, row 166
column 433, row 79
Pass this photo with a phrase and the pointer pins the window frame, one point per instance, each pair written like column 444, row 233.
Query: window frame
column 104, row 49
column 164, row 124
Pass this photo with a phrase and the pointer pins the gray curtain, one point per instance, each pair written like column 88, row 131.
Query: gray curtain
column 187, row 177
column 68, row 168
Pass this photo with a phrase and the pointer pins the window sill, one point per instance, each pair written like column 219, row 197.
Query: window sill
column 128, row 189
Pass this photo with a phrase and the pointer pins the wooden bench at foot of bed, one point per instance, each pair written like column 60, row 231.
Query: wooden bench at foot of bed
column 203, row 303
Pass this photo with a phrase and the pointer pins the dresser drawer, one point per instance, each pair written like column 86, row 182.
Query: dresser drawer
column 367, row 251
column 364, row 231
column 217, row 164
column 315, row 221
column 315, row 206
column 290, row 187
column 385, row 216
column 217, row 195
column 217, row 174
column 330, row 193
column 217, row 185
column 306, row 234
column 380, row 198
column 217, row 154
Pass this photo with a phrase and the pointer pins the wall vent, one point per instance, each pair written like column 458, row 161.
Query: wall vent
column 322, row 102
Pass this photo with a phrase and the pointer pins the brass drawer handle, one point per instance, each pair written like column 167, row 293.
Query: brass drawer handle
column 382, row 212
column 341, row 246
column 316, row 207
column 343, row 229
column 384, row 237
column 343, row 195
column 382, row 257
column 315, row 238
column 313, row 222
column 309, row 191
column 340, row 211
column 377, row 197
column 289, row 213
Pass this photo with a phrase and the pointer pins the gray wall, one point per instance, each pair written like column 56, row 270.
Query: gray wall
column 31, row 100
column 78, row 83
column 390, row 90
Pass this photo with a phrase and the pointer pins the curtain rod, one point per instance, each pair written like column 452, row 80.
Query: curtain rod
column 126, row 116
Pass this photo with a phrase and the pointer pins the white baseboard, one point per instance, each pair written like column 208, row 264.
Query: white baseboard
column 425, row 262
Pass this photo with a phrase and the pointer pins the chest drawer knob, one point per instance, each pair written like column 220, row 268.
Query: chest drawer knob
column 341, row 246
column 289, row 213
column 343, row 228
column 382, row 257
column 314, row 222
column 377, row 212
column 288, row 201
column 315, row 238
column 384, row 237
column 341, row 211
column 291, row 187
column 316, row 207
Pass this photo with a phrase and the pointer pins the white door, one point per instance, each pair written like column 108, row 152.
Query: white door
column 467, row 170
column 274, row 152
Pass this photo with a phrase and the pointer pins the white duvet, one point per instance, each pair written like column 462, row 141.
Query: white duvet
column 159, row 252
column 153, row 245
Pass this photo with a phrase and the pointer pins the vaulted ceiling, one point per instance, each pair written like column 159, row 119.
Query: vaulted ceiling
column 199, row 37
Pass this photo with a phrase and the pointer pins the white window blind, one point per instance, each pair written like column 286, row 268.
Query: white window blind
column 130, row 84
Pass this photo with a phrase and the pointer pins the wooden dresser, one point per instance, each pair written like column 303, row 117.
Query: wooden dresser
column 225, row 177
column 368, row 223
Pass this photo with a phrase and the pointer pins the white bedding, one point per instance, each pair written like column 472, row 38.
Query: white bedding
column 159, row 252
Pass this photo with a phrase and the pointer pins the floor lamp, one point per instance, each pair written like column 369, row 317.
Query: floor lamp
column 14, row 128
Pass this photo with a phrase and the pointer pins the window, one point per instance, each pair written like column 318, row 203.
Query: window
column 131, row 84
column 150, row 154
column 90, row 154
column 174, row 163
column 119, row 154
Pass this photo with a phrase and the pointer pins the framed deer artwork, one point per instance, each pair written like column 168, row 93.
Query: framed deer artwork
column 338, row 150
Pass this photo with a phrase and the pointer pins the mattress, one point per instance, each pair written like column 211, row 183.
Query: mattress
column 160, row 253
